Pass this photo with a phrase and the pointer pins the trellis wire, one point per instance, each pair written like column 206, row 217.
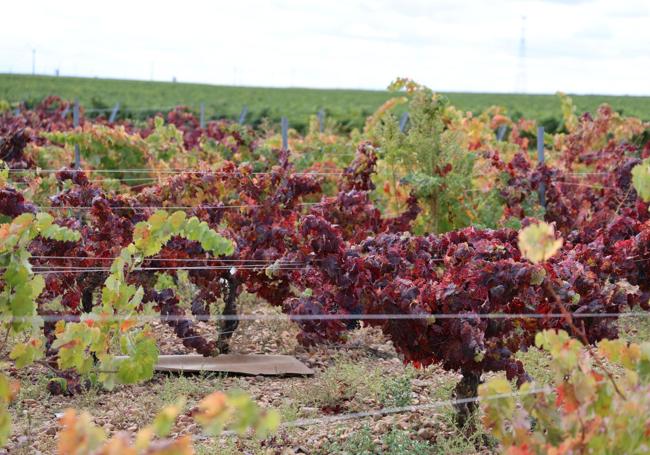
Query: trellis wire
column 161, row 269
column 587, row 185
column 163, row 171
column 132, row 109
column 201, row 267
column 172, row 207
column 230, row 260
column 404, row 409
column 320, row 317
column 208, row 259
column 386, row 215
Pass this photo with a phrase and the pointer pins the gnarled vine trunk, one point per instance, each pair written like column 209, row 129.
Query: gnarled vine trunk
column 465, row 394
column 228, row 326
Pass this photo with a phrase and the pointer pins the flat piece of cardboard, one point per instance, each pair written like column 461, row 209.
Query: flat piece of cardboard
column 252, row 364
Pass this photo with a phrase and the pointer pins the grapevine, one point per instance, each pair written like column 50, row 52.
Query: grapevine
column 440, row 222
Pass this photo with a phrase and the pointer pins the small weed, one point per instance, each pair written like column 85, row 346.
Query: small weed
column 341, row 383
column 396, row 392
column 443, row 391
column 33, row 388
column 399, row 443
column 462, row 440
column 360, row 442
column 229, row 446
column 192, row 387
column 288, row 411
column 634, row 329
column 396, row 442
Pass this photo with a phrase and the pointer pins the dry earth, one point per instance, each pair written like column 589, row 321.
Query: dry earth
column 365, row 374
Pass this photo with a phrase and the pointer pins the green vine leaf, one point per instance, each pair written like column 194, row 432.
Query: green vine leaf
column 641, row 180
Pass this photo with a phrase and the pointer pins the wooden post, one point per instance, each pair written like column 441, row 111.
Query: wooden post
column 114, row 112
column 242, row 115
column 75, row 123
column 202, row 115
column 540, row 160
column 284, row 124
column 321, row 120
column 403, row 121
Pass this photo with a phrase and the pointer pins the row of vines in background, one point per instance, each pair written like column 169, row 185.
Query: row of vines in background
column 389, row 221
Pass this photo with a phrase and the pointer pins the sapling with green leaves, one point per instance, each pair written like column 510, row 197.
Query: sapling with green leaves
column 430, row 158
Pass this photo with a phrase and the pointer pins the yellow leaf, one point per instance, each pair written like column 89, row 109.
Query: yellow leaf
column 78, row 434
column 538, row 243
column 59, row 327
column 143, row 438
column 177, row 219
column 126, row 325
column 117, row 445
column 166, row 418
column 180, row 446
column 211, row 406
column 4, row 231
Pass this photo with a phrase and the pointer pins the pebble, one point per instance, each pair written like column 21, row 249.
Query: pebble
column 426, row 433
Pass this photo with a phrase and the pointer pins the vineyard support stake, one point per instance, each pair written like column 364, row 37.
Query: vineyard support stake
column 75, row 123
column 403, row 121
column 284, row 125
column 540, row 159
column 501, row 133
column 242, row 115
column 114, row 112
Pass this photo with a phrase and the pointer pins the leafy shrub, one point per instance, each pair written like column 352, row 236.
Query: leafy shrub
column 216, row 412
column 432, row 159
column 586, row 412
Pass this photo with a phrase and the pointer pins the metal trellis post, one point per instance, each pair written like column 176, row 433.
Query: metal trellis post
column 284, row 124
column 114, row 112
column 243, row 114
column 540, row 159
column 403, row 121
column 321, row 120
column 75, row 123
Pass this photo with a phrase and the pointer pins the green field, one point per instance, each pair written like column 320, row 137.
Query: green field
column 348, row 107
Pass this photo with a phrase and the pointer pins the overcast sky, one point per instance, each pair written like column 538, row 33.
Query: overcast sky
column 579, row 46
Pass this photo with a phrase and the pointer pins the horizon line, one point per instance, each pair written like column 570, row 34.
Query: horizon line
column 296, row 87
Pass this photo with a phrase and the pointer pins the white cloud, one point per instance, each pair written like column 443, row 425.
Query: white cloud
column 584, row 46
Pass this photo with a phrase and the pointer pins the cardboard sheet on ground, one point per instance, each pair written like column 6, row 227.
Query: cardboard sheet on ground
column 255, row 364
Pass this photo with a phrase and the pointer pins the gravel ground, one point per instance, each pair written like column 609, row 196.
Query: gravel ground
column 365, row 374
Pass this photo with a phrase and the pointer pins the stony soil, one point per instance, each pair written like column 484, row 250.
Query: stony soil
column 362, row 375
